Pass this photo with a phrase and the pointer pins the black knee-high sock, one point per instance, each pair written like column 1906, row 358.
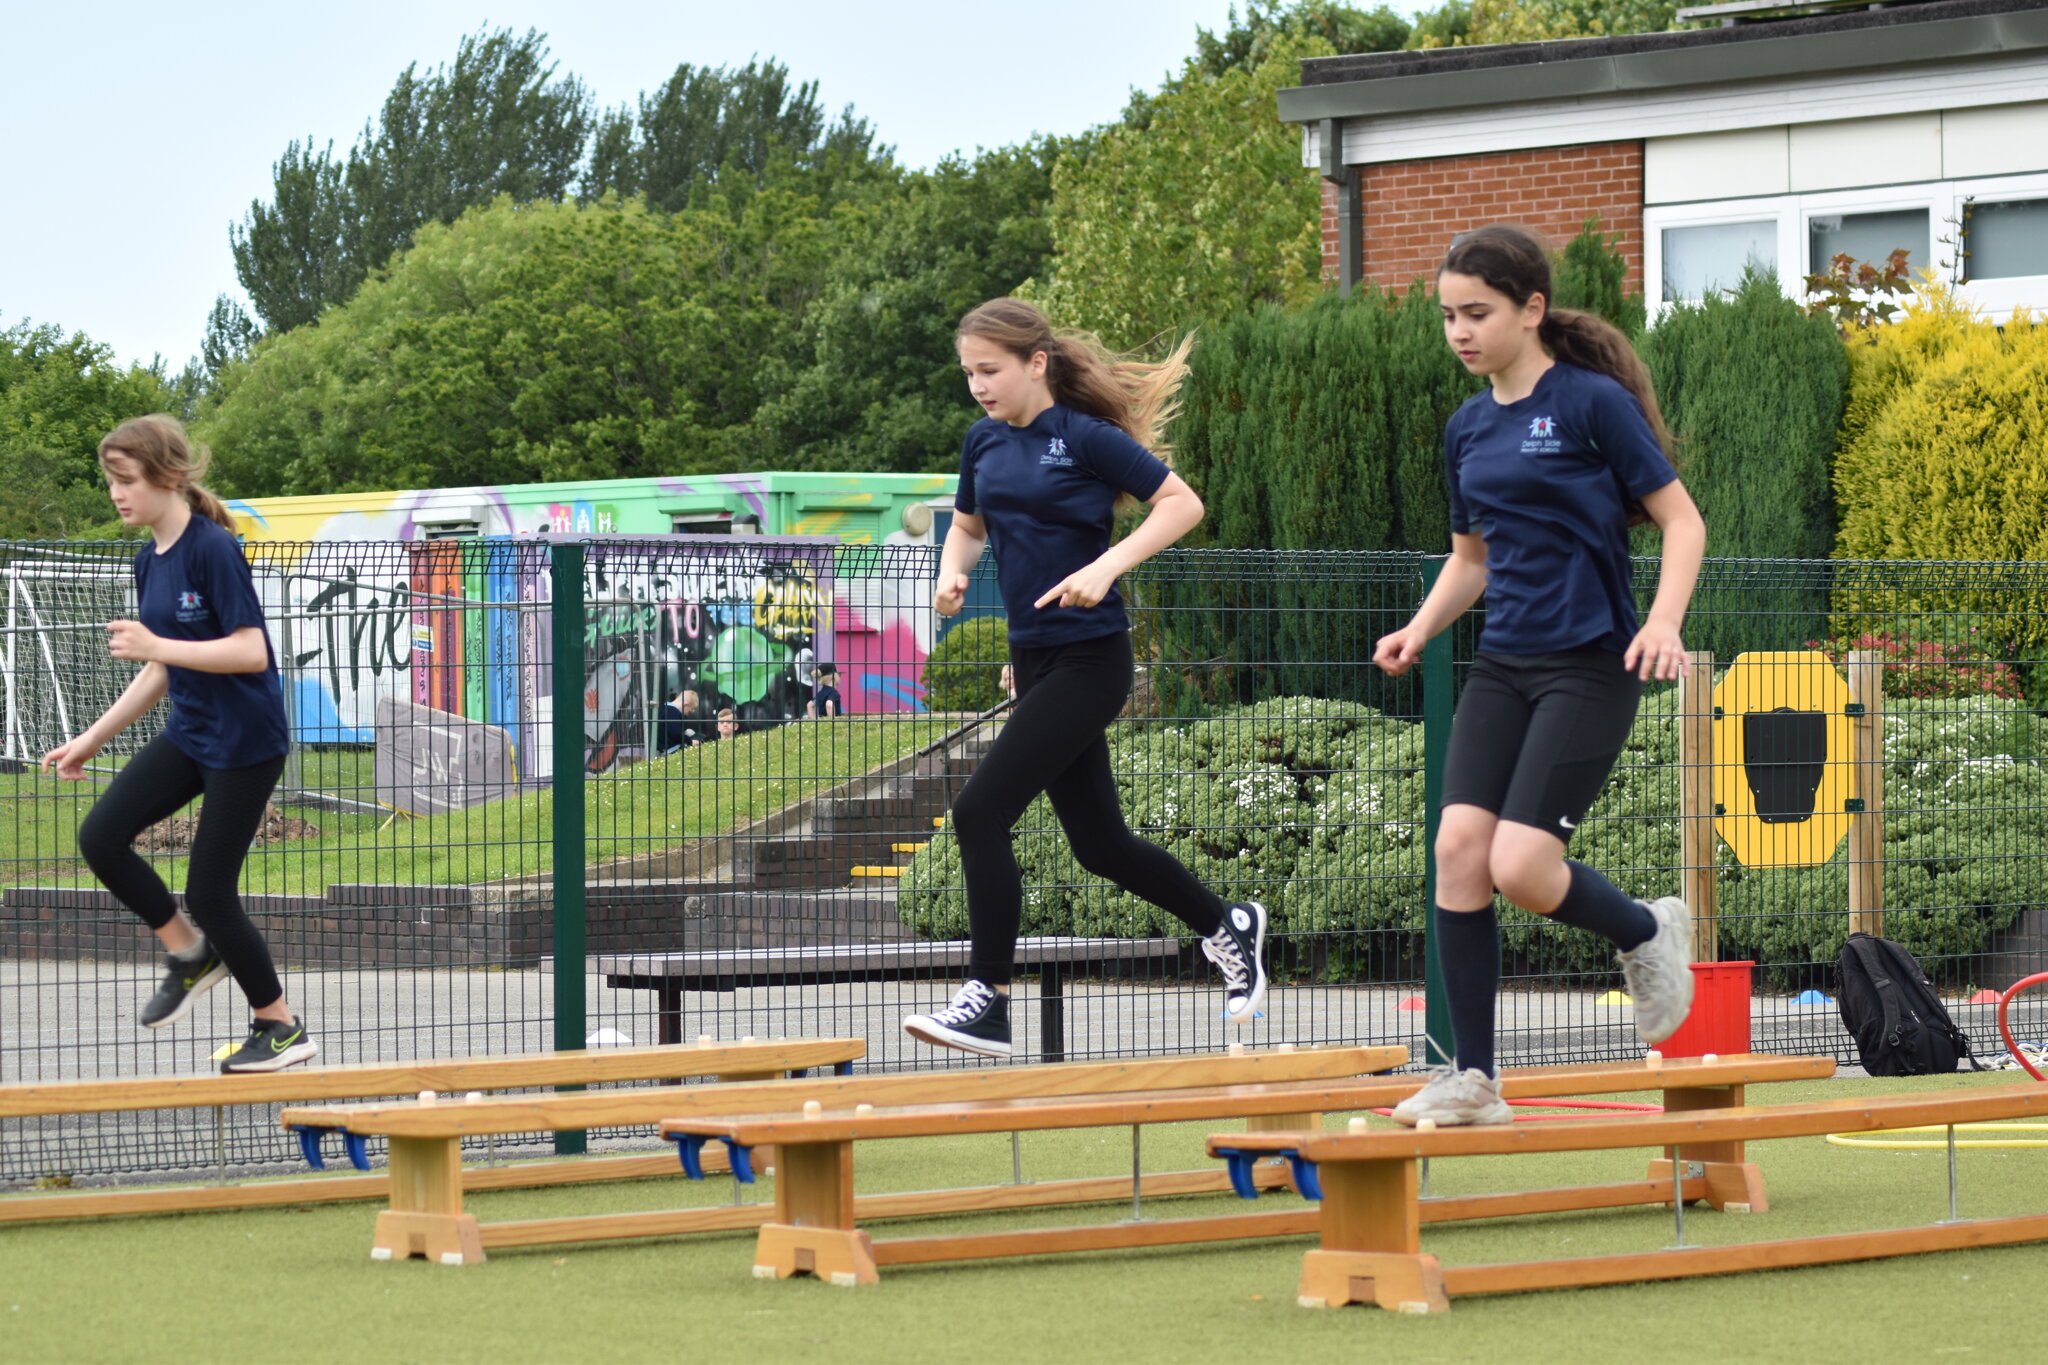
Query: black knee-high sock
column 1468, row 946
column 1593, row 902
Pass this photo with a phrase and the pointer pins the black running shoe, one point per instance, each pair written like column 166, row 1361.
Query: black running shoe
column 183, row 983
column 272, row 1045
column 978, row 1020
column 1239, row 949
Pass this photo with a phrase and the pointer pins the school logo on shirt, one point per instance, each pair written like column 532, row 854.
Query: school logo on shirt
column 1056, row 453
column 1542, row 438
column 191, row 607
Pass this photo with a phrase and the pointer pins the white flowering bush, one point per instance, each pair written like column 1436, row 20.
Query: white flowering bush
column 1316, row 808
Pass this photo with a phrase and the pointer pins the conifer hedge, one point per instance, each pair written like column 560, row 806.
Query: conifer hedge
column 1753, row 391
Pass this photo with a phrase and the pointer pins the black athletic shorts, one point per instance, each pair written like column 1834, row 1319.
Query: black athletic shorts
column 1536, row 735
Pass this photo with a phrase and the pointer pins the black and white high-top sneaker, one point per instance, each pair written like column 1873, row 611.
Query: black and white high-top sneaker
column 977, row 1020
column 1239, row 949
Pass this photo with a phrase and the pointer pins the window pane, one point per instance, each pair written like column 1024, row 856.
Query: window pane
column 2007, row 239
column 1867, row 237
column 1699, row 260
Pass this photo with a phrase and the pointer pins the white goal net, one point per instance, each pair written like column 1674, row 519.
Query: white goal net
column 54, row 667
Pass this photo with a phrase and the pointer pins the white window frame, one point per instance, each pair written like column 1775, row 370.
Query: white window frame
column 1710, row 213
column 1942, row 199
column 2000, row 297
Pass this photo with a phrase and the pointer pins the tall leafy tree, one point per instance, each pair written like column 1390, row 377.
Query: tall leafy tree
column 532, row 343
column 1200, row 215
column 710, row 126
column 880, row 386
column 58, row 396
column 497, row 121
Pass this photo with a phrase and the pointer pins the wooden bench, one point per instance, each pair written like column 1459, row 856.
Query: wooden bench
column 426, row 1216
column 816, row 1214
column 1371, row 1214
column 454, row 1077
column 672, row 975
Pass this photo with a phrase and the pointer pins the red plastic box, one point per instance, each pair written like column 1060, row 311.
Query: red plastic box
column 1719, row 1021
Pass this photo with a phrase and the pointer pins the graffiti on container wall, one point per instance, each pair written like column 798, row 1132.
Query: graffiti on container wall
column 460, row 635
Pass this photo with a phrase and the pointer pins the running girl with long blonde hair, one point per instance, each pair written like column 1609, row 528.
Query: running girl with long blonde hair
column 1070, row 431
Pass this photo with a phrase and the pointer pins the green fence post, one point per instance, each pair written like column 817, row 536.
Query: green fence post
column 1437, row 687
column 565, row 563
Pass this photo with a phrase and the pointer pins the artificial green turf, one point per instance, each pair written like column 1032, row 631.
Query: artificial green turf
column 298, row 1284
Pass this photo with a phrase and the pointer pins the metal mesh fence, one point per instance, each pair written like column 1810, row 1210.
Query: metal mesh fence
column 516, row 818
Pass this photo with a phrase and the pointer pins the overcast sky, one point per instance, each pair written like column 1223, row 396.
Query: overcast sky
column 132, row 135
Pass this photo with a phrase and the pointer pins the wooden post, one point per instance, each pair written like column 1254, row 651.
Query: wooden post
column 814, row 1231
column 1866, row 826
column 1696, row 801
column 1371, row 1241
column 426, row 1217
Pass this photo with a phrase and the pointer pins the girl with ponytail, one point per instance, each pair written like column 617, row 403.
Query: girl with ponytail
column 200, row 639
column 1071, row 433
column 1547, row 468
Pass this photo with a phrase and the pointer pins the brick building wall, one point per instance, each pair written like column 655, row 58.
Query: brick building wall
column 1412, row 208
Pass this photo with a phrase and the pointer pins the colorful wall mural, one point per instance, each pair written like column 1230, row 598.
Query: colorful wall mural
column 438, row 598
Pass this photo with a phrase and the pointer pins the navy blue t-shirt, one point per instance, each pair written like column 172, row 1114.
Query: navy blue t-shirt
column 824, row 695
column 1546, row 482
column 1046, row 493
column 200, row 589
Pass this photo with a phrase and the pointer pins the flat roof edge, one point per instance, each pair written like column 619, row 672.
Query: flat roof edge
column 1943, row 40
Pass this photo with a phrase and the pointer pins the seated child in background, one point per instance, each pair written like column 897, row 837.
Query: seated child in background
column 825, row 699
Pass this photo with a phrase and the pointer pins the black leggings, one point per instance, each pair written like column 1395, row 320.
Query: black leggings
column 155, row 785
column 1053, row 743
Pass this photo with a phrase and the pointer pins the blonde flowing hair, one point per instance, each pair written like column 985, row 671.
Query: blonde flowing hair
column 168, row 459
column 1140, row 397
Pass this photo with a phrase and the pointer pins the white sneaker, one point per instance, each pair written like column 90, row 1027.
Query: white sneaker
column 1454, row 1098
column 1659, row 972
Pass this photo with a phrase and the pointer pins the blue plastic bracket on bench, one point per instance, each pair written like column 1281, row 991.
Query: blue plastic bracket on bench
column 1241, row 1163
column 355, row 1144
column 689, row 1147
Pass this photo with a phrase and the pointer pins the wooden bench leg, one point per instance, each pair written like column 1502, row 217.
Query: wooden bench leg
column 426, row 1217
column 1734, row 1185
column 1372, row 1241
column 813, row 1231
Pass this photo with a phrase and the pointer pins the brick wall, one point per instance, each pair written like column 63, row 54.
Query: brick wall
column 1412, row 208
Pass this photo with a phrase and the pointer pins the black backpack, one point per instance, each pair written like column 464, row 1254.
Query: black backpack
column 1890, row 1009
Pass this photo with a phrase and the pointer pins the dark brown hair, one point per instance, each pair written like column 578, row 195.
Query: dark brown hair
column 1511, row 260
column 167, row 459
column 1138, row 396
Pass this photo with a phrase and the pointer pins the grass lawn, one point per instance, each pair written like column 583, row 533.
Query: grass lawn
column 643, row 808
column 298, row 1283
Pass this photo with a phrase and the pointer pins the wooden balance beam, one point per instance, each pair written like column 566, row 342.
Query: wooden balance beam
column 426, row 1216
column 815, row 1228
column 455, row 1077
column 1371, row 1251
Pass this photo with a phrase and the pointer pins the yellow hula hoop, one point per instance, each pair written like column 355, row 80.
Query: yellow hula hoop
column 1864, row 1140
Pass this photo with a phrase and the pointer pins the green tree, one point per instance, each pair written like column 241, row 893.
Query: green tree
column 710, row 125
column 1201, row 216
column 497, row 121
column 1529, row 21
column 58, row 396
column 880, row 386
column 1250, row 38
column 533, row 342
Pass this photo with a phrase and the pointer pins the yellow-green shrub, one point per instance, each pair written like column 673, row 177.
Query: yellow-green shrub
column 1949, row 457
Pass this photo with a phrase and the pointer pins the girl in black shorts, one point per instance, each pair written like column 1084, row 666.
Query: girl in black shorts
column 1546, row 469
column 199, row 638
column 1067, row 435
